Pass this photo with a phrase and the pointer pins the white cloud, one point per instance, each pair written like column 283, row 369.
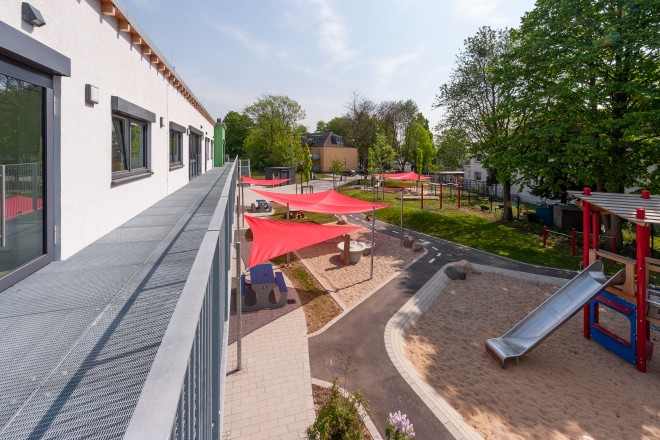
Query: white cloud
column 388, row 67
column 256, row 46
column 332, row 34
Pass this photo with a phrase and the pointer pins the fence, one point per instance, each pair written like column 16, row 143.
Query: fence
column 22, row 188
column 183, row 395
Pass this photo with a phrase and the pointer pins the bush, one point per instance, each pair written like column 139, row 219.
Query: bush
column 339, row 417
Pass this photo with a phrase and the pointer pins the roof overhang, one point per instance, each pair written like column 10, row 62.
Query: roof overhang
column 625, row 206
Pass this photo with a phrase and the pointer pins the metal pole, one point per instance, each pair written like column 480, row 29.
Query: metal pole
column 401, row 214
column 243, row 205
column 239, row 300
column 373, row 238
column 238, row 213
column 288, row 254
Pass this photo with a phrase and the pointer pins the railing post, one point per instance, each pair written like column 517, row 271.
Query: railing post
column 545, row 235
column 239, row 300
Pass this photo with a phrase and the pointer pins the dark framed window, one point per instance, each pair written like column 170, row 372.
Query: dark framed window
column 129, row 145
column 176, row 141
column 477, row 175
column 176, row 145
column 131, row 149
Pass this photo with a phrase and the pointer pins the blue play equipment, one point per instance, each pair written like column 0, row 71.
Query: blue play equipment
column 614, row 343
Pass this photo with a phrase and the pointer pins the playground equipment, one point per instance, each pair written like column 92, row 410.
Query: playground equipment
column 635, row 298
column 552, row 313
column 628, row 292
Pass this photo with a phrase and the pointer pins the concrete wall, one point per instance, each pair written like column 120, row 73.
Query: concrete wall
column 87, row 206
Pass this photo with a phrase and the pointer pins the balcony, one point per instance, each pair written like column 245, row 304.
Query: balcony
column 126, row 338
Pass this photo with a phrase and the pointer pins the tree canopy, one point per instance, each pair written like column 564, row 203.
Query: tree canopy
column 275, row 137
column 584, row 77
column 238, row 128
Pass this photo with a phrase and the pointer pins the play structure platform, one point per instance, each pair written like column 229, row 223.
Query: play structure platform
column 552, row 313
column 628, row 292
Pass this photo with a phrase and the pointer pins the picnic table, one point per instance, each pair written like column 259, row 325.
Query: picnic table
column 262, row 205
column 266, row 285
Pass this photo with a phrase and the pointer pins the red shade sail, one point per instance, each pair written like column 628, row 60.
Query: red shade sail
column 263, row 182
column 326, row 202
column 404, row 176
column 272, row 238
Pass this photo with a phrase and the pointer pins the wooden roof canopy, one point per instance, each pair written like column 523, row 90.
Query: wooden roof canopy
column 113, row 8
column 641, row 209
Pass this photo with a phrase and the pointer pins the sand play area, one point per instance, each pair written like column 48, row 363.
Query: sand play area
column 566, row 388
column 351, row 284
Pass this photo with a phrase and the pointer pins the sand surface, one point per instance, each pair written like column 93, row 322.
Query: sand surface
column 351, row 284
column 566, row 388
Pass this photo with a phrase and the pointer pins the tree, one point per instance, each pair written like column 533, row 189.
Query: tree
column 395, row 118
column 361, row 124
column 337, row 169
column 452, row 146
column 419, row 139
column 338, row 125
column 588, row 97
column 238, row 128
column 381, row 155
column 275, row 137
column 306, row 163
column 474, row 102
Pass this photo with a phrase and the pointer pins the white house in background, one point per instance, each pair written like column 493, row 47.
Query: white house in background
column 476, row 175
column 95, row 126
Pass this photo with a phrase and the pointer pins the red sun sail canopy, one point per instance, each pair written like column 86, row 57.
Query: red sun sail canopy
column 326, row 202
column 272, row 238
column 263, row 182
column 404, row 176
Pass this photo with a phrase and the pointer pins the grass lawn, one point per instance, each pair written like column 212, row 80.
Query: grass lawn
column 318, row 305
column 519, row 241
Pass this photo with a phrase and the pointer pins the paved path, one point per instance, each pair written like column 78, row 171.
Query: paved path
column 360, row 333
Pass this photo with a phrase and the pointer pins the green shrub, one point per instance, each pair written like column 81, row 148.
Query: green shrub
column 339, row 417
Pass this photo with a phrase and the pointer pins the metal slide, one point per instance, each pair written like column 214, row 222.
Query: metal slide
column 552, row 313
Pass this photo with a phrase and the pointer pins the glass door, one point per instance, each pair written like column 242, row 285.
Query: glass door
column 22, row 214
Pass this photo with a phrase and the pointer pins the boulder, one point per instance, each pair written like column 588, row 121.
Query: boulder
column 455, row 274
column 465, row 266
column 342, row 220
column 407, row 241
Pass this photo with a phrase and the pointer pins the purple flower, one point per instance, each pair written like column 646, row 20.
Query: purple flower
column 400, row 423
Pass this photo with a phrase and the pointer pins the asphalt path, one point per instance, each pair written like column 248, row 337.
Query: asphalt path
column 359, row 335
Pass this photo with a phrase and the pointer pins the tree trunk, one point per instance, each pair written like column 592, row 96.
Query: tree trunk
column 507, row 215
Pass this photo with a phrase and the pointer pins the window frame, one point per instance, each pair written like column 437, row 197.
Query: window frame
column 178, row 131
column 131, row 114
column 477, row 175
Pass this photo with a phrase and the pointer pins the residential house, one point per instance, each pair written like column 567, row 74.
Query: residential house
column 327, row 147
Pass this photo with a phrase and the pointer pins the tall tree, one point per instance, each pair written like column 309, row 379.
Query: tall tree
column 395, row 118
column 473, row 101
column 361, row 123
column 589, row 96
column 238, row 128
column 452, row 146
column 593, row 92
column 420, row 140
column 275, row 137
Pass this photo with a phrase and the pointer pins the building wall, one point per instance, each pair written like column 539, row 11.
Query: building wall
column 327, row 154
column 87, row 206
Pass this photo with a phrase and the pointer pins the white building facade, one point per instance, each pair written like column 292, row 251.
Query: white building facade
column 95, row 126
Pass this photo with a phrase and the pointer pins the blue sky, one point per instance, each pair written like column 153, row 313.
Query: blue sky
column 317, row 51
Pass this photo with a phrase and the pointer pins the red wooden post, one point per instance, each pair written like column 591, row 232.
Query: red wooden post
column 440, row 195
column 643, row 250
column 545, row 235
column 586, row 229
column 422, row 199
column 595, row 230
column 614, row 244
column 573, row 234
column 459, row 195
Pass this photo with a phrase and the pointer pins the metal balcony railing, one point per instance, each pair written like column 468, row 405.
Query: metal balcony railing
column 183, row 395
